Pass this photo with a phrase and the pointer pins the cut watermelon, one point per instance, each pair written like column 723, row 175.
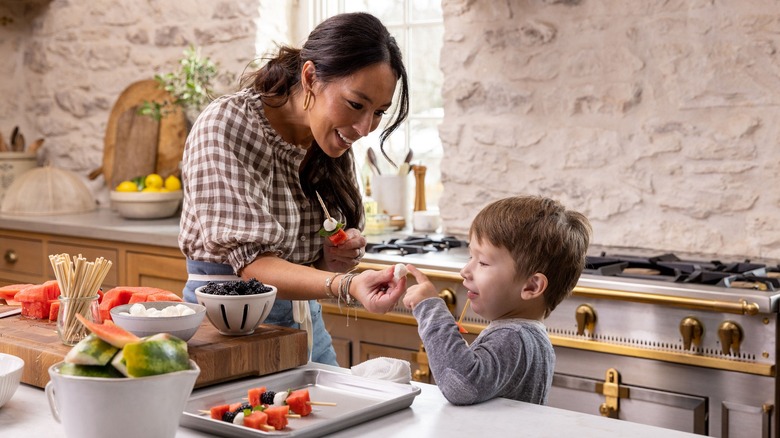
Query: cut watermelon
column 91, row 351
column 298, row 401
column 277, row 416
column 218, row 411
column 254, row 395
column 111, row 333
column 36, row 299
column 257, row 420
column 158, row 354
column 72, row 369
column 54, row 310
column 7, row 292
column 133, row 294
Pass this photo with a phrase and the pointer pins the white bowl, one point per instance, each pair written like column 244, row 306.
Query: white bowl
column 11, row 368
column 97, row 407
column 236, row 315
column 146, row 205
column 183, row 327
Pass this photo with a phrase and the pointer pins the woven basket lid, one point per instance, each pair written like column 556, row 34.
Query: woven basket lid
column 47, row 190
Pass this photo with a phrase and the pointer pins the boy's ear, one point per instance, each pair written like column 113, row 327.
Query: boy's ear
column 534, row 286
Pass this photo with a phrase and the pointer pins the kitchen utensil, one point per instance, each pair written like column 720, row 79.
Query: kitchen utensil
column 372, row 161
column 409, row 156
column 236, row 315
column 97, row 407
column 10, row 311
column 390, row 194
column 3, row 145
column 183, row 327
column 35, row 146
column 419, row 189
column 168, row 146
column 47, row 190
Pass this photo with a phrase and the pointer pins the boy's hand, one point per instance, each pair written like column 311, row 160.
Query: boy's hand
column 420, row 291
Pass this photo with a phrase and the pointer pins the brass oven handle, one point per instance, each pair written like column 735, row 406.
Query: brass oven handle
column 741, row 308
column 11, row 257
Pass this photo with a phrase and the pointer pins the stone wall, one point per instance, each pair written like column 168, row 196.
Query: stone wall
column 65, row 63
column 657, row 119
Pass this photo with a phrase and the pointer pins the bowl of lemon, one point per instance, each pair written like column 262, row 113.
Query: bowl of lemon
column 147, row 197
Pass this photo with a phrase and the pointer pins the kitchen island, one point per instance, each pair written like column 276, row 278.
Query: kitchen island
column 430, row 415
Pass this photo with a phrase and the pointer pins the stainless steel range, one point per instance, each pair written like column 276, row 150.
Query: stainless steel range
column 687, row 344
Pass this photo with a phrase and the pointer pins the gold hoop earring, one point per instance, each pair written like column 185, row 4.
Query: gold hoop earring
column 307, row 100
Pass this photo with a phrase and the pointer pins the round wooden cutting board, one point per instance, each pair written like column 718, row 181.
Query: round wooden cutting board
column 135, row 144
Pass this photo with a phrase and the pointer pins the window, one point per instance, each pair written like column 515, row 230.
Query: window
column 418, row 27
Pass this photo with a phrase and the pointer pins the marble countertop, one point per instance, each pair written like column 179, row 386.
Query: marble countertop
column 430, row 415
column 102, row 224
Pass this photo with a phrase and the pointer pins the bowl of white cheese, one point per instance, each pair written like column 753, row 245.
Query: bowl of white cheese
column 146, row 319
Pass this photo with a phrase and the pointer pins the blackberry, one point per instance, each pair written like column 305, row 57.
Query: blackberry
column 243, row 406
column 251, row 287
column 229, row 416
column 267, row 398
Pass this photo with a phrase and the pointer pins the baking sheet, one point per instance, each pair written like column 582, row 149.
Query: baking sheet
column 357, row 400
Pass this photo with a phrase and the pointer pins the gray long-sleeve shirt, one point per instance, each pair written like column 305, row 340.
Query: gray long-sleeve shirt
column 510, row 358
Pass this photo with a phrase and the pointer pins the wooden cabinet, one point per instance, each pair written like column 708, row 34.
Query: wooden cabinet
column 25, row 259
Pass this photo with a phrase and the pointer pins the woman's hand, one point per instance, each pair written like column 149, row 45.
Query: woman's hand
column 420, row 291
column 343, row 257
column 378, row 291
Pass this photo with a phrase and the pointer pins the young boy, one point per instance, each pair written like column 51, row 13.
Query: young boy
column 526, row 256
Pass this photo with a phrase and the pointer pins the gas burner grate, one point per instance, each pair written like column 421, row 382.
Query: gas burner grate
column 415, row 245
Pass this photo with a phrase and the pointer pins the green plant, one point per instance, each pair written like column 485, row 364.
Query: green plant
column 190, row 86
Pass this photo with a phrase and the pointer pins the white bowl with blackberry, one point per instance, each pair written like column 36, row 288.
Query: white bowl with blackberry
column 236, row 308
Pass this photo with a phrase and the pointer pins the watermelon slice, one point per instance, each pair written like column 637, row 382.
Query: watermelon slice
column 91, row 351
column 299, row 401
column 111, row 333
column 217, row 412
column 257, row 420
column 72, row 369
column 36, row 299
column 277, row 416
column 254, row 395
column 133, row 294
column 54, row 310
column 158, row 354
column 7, row 292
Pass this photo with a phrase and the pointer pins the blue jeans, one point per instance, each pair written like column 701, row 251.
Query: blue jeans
column 281, row 312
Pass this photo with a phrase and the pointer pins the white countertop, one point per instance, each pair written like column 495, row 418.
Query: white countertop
column 99, row 224
column 27, row 414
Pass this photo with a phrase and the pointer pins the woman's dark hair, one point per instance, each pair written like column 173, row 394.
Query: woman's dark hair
column 338, row 47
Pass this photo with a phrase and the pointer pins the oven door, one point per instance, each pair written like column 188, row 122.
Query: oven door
column 636, row 404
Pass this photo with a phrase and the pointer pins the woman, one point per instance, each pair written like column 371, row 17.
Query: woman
column 255, row 161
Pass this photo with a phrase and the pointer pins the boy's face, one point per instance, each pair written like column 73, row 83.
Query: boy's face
column 494, row 289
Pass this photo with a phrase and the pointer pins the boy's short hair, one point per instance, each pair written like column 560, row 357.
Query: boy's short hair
column 542, row 236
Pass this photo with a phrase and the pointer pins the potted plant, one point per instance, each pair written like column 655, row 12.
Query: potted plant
column 190, row 86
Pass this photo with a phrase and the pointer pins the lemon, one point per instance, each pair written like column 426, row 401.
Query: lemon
column 153, row 180
column 151, row 189
column 172, row 183
column 127, row 186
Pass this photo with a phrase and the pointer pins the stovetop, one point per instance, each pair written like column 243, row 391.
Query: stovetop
column 667, row 271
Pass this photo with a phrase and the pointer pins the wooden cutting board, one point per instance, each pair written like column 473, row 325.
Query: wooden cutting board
column 166, row 146
column 220, row 358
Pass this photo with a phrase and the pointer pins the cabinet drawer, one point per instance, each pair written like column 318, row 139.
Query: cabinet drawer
column 22, row 256
column 153, row 270
column 91, row 253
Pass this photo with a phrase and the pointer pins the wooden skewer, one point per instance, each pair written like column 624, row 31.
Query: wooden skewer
column 293, row 416
column 463, row 312
column 315, row 403
column 267, row 427
column 325, row 209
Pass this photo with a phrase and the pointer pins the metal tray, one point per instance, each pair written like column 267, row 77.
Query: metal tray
column 357, row 400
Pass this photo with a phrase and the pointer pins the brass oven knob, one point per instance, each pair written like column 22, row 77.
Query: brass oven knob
column 730, row 334
column 11, row 257
column 692, row 331
column 586, row 319
column 449, row 297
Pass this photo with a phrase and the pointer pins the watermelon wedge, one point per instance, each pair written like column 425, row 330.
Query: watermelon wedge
column 36, row 299
column 254, row 395
column 277, row 416
column 132, row 294
column 298, row 401
column 7, row 292
column 258, row 420
column 109, row 332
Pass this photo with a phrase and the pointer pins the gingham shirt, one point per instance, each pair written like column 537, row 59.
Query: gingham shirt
column 242, row 191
